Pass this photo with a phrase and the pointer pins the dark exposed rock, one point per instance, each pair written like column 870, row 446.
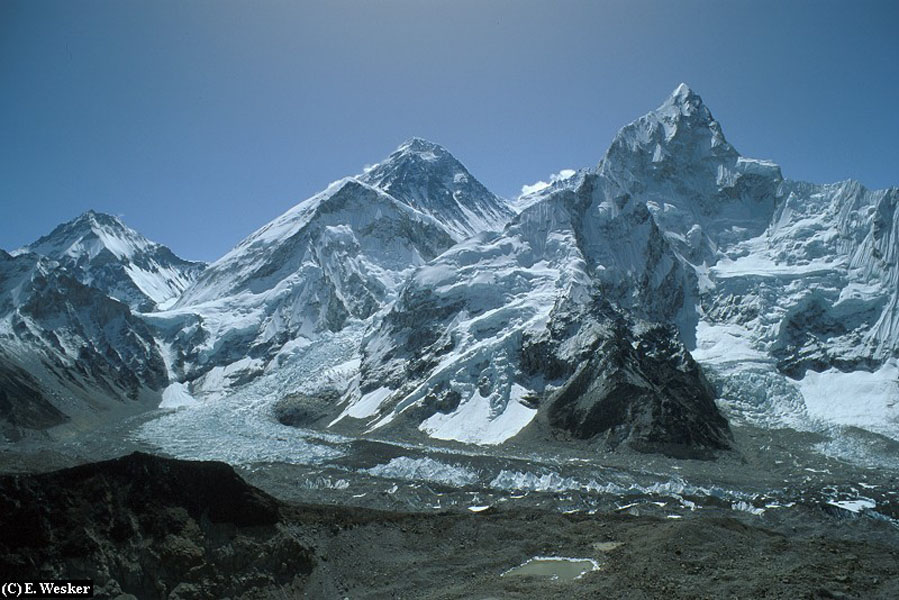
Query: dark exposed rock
column 305, row 410
column 629, row 383
column 151, row 527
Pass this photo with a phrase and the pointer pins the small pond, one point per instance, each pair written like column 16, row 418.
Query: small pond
column 555, row 568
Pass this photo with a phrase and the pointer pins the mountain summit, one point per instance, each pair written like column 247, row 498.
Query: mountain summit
column 428, row 178
column 101, row 251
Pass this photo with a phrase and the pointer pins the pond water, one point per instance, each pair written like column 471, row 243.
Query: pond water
column 554, row 568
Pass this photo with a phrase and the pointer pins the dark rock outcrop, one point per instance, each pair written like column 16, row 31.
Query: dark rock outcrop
column 630, row 382
column 151, row 527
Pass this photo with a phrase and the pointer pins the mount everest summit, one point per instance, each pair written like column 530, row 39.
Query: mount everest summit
column 638, row 302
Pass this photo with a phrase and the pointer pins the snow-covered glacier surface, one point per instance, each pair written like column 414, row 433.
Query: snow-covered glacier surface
column 239, row 428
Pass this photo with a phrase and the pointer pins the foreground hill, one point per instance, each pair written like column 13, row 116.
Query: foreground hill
column 148, row 527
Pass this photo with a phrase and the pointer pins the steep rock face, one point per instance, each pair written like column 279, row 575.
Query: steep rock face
column 81, row 348
column 428, row 178
column 100, row 251
column 625, row 382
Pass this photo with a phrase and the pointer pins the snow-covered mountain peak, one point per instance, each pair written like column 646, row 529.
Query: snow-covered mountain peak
column 423, row 149
column 685, row 97
column 702, row 193
column 414, row 159
column 427, row 177
column 89, row 234
column 101, row 251
column 681, row 126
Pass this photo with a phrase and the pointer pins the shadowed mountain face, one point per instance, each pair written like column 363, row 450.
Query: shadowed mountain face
column 69, row 350
column 23, row 404
column 151, row 527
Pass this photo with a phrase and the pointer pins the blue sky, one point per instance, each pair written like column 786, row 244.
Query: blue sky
column 197, row 122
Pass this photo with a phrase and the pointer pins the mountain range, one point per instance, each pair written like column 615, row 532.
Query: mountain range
column 647, row 301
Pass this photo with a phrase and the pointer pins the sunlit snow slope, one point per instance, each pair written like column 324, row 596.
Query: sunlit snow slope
column 335, row 258
column 102, row 252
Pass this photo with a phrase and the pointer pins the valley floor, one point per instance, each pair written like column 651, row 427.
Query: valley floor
column 456, row 556
column 225, row 539
column 773, row 519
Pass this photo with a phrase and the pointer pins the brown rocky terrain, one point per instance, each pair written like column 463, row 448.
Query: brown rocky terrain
column 148, row 527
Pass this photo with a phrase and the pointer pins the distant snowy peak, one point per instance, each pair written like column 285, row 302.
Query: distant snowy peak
column 70, row 348
column 101, row 251
column 428, row 178
column 681, row 118
column 702, row 193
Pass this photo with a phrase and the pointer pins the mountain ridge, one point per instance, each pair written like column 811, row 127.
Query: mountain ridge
column 456, row 317
column 101, row 251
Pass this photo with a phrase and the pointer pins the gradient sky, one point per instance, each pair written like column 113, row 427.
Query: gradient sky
column 197, row 122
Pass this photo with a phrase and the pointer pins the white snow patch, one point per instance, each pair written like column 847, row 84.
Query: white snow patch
column 474, row 422
column 859, row 398
column 720, row 343
column 854, row 506
column 177, row 395
column 368, row 404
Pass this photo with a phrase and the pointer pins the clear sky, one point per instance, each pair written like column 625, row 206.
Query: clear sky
column 197, row 122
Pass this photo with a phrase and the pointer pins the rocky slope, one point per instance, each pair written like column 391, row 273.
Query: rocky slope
column 69, row 350
column 148, row 527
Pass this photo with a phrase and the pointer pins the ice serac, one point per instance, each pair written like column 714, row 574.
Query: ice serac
column 69, row 351
column 335, row 258
column 101, row 251
column 428, row 178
